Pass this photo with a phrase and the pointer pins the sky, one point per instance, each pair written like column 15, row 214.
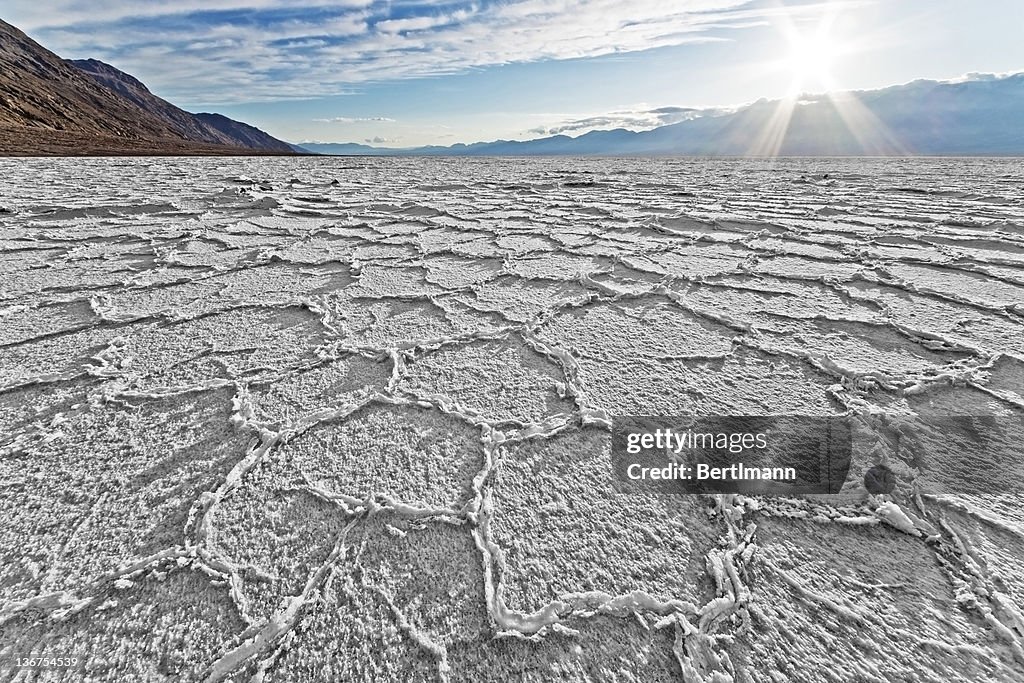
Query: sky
column 401, row 73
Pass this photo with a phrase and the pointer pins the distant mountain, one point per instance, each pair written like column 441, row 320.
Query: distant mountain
column 980, row 115
column 348, row 148
column 52, row 106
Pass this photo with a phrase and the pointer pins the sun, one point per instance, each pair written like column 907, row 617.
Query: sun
column 811, row 58
column 810, row 52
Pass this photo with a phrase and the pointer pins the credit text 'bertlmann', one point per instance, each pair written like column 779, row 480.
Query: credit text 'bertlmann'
column 703, row 472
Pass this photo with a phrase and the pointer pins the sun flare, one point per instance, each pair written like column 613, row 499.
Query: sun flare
column 810, row 54
column 811, row 58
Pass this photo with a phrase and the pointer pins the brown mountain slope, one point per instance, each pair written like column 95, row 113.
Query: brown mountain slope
column 49, row 106
column 210, row 128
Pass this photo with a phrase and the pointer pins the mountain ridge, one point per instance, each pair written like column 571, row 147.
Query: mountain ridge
column 201, row 127
column 53, row 106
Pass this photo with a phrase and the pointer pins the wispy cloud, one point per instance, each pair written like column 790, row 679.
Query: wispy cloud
column 30, row 15
column 631, row 119
column 359, row 119
column 231, row 51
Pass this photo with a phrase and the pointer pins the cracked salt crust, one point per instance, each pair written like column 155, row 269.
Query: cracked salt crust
column 296, row 419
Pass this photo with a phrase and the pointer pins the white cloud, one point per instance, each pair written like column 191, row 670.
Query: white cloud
column 981, row 76
column 636, row 119
column 423, row 23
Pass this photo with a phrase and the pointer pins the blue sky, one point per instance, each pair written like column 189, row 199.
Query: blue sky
column 404, row 73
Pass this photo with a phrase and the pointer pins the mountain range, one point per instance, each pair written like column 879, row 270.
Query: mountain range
column 49, row 105
column 979, row 115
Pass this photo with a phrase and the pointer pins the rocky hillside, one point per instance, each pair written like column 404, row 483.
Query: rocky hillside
column 49, row 105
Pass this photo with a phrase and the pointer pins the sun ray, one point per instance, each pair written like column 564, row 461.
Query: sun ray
column 871, row 134
column 769, row 141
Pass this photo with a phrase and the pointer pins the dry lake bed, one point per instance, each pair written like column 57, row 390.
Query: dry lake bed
column 347, row 419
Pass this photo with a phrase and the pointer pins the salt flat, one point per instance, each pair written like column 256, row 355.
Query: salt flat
column 346, row 418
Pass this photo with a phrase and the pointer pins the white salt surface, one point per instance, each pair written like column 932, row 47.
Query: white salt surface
column 346, row 419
